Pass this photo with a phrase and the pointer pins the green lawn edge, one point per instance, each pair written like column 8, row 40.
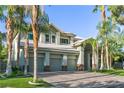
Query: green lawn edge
column 117, row 72
column 22, row 82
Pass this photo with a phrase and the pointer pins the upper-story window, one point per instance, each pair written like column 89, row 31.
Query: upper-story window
column 53, row 38
column 64, row 41
column 30, row 36
column 47, row 38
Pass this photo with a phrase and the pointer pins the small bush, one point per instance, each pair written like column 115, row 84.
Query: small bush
column 16, row 72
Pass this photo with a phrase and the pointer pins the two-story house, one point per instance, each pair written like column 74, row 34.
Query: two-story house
column 57, row 51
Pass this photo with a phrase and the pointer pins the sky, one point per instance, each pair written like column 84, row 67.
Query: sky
column 79, row 20
column 76, row 19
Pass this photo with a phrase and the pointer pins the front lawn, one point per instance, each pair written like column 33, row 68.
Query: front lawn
column 119, row 72
column 21, row 83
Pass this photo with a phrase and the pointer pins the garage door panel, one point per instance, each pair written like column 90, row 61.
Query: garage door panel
column 85, row 61
column 71, row 65
column 55, row 64
column 31, row 64
column 40, row 64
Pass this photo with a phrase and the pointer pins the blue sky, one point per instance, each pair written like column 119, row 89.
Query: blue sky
column 76, row 19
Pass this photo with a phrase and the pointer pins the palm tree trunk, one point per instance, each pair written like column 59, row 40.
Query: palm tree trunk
column 18, row 50
column 107, row 55
column 9, row 45
column 35, row 38
column 97, row 57
column 102, row 62
column 26, row 54
column 35, row 65
column 110, row 61
column 103, row 13
column 9, row 66
column 106, row 42
column 93, row 59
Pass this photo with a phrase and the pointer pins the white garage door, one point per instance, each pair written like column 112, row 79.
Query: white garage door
column 55, row 62
column 71, row 65
column 40, row 64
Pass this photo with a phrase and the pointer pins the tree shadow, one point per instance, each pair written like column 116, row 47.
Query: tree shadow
column 81, row 78
column 50, row 74
column 68, row 82
column 94, row 84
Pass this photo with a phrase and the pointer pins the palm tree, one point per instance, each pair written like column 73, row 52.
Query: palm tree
column 26, row 53
column 100, row 40
column 11, row 10
column 116, row 40
column 102, row 61
column 40, row 22
column 35, row 14
column 106, row 40
column 94, row 44
column 103, row 15
column 22, row 27
column 19, row 21
column 9, row 21
column 106, row 30
column 27, row 29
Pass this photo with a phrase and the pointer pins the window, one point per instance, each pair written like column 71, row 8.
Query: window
column 64, row 41
column 47, row 39
column 53, row 39
column 30, row 36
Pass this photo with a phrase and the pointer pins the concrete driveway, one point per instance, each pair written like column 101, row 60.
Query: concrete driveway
column 82, row 80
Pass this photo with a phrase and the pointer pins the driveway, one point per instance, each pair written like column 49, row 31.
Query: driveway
column 82, row 80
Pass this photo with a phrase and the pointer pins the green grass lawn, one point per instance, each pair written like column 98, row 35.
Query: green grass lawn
column 21, row 83
column 119, row 72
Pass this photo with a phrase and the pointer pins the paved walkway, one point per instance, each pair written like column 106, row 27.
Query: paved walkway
column 82, row 80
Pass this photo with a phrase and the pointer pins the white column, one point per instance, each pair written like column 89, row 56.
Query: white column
column 58, row 38
column 80, row 63
column 64, row 60
column 47, row 59
column 81, row 55
column 15, row 50
column 40, row 38
column 88, row 61
column 97, row 58
column 21, row 57
column 71, row 40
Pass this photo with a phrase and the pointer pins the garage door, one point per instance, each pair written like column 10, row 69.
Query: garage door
column 85, row 62
column 55, row 64
column 40, row 64
column 71, row 65
column 31, row 64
